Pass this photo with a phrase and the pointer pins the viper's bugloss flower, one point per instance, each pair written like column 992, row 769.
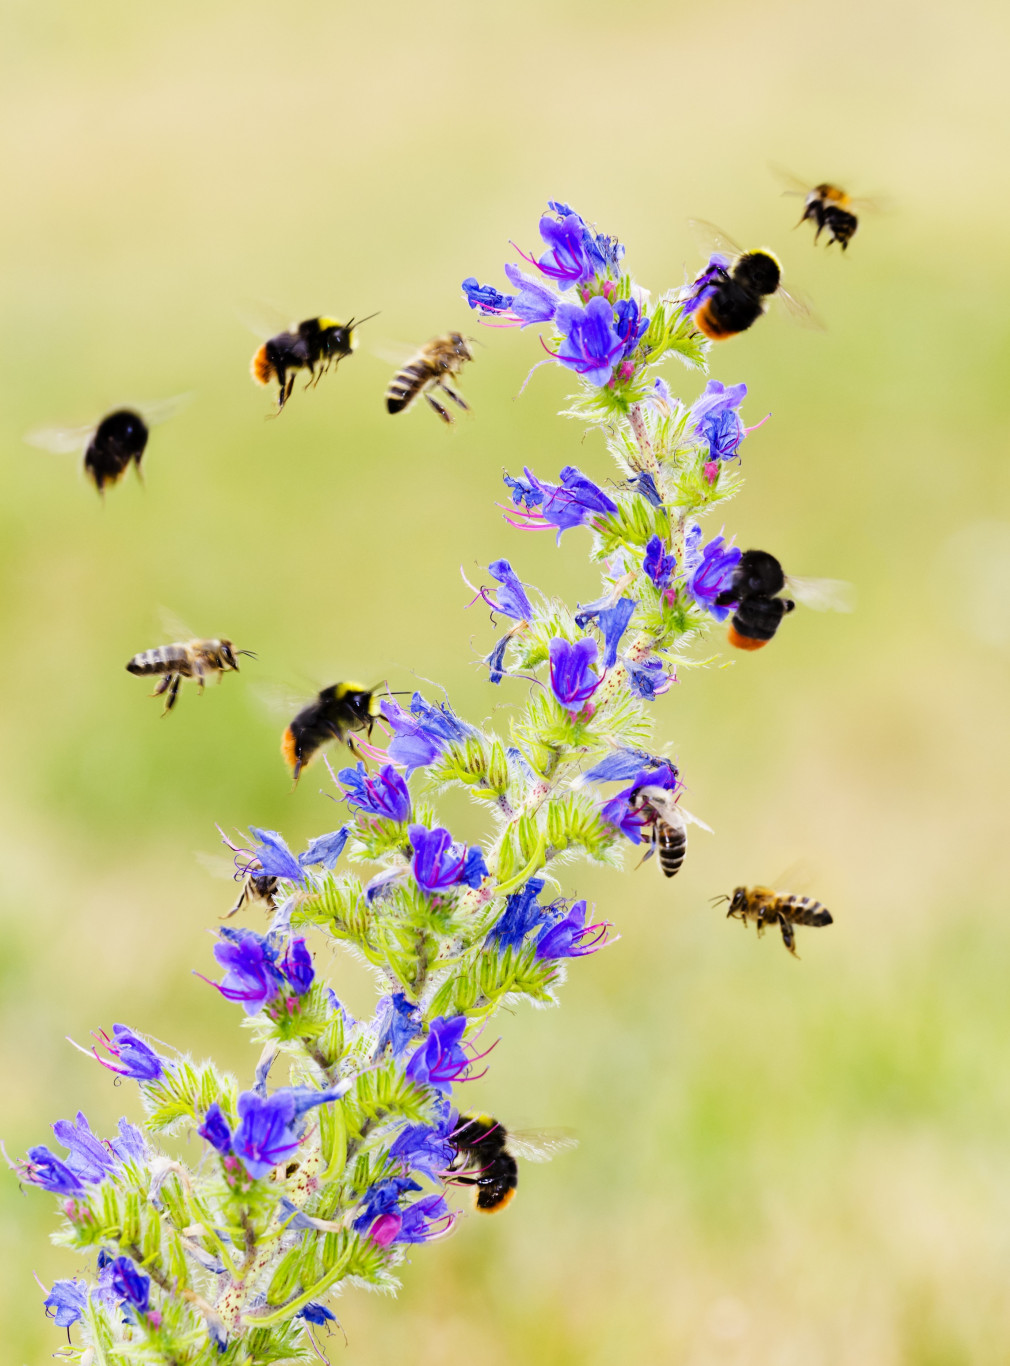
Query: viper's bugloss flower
column 613, row 622
column 573, row 676
column 425, row 1148
column 566, row 259
column 622, row 764
column 705, row 285
column 131, row 1056
column 384, row 795
column 510, row 597
column 86, row 1157
column 521, row 915
column 532, row 302
column 252, row 975
column 647, row 678
column 383, row 1198
column 318, row 1313
column 495, row 661
column 383, row 884
column 715, row 418
column 657, row 563
column 485, row 297
column 275, row 858
column 296, row 965
column 43, row 1168
column 215, row 1129
column 630, row 324
column 325, row 849
column 130, row 1145
column 420, row 737
column 439, row 864
column 644, row 484
column 571, row 503
column 709, row 570
column 571, row 937
column 130, row 1285
column 270, row 1130
column 619, row 811
column 591, row 345
column 440, row 1060
column 66, row 1302
column 419, row 1221
column 397, row 1021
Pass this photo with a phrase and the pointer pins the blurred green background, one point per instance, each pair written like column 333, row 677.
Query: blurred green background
column 793, row 1163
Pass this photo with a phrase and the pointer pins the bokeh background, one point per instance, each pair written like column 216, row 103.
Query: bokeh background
column 794, row 1163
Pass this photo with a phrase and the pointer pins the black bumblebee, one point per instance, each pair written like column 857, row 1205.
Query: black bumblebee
column 487, row 1150
column 733, row 291
column 758, row 610
column 340, row 708
column 119, row 440
column 312, row 345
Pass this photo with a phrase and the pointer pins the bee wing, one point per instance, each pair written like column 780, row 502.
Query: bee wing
column 174, row 627
column 874, row 203
column 800, row 308
column 793, row 184
column 162, row 409
column 264, row 320
column 712, row 240
column 60, row 440
column 280, row 701
column 539, row 1145
column 215, row 864
column 393, row 353
column 694, row 820
column 796, row 879
column 823, row 595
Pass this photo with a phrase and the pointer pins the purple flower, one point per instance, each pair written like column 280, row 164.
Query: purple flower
column 704, row 285
column 419, row 738
column 565, row 259
column 533, row 302
column 647, row 678
column 657, row 564
column 439, row 864
column 521, row 915
column 716, row 419
column 318, row 1313
column 136, row 1058
column 86, row 1157
column 130, row 1285
column 275, row 858
column 568, row 504
column 630, row 323
column 130, row 1145
column 710, row 571
column 296, row 965
column 43, row 1168
column 573, row 678
column 603, row 253
column 66, row 1302
column 440, row 1060
column 590, row 346
column 397, row 1021
column 621, row 765
column 325, row 849
column 270, row 1130
column 485, row 297
column 425, row 1148
column 215, row 1129
column 528, row 492
column 571, row 937
column 510, row 599
column 383, row 1198
column 644, row 484
column 495, row 661
column 418, row 1221
column 384, row 795
column 613, row 622
column 622, row 814
column 252, row 975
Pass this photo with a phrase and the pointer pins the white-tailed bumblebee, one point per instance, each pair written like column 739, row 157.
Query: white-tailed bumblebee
column 766, row 907
column 110, row 447
column 186, row 659
column 758, row 609
column 331, row 715
column 828, row 206
column 431, row 368
column 735, row 288
column 313, row 345
column 487, row 1150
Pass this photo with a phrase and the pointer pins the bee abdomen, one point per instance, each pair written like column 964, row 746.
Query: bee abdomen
column 806, row 911
column 262, row 366
column 672, row 848
column 405, row 386
column 165, row 659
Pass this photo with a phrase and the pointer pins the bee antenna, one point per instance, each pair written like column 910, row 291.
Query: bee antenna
column 477, row 341
column 714, row 900
column 352, row 323
column 251, row 653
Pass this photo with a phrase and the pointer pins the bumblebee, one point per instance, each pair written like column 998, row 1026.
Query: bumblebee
column 335, row 711
column 430, row 369
column 758, row 610
column 485, row 1148
column 768, row 907
column 186, row 659
column 828, row 206
column 734, row 290
column 313, row 345
column 119, row 440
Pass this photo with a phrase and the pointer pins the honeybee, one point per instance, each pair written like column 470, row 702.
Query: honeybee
column 259, row 887
column 428, row 370
column 829, row 206
column 765, row 906
column 340, row 708
column 110, row 446
column 757, row 608
column 667, row 823
column 733, row 291
column 316, row 342
column 186, row 659
column 485, row 1148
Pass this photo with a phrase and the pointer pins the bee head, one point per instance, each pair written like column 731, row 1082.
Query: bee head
column 758, row 271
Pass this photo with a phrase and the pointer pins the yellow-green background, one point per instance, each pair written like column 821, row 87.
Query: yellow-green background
column 793, row 1163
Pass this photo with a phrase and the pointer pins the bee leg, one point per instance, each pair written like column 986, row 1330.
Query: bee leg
column 453, row 395
column 438, row 407
column 788, row 937
column 163, row 683
column 173, row 693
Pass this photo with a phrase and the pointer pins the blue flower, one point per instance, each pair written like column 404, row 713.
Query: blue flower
column 716, row 419
column 385, row 795
column 573, row 678
column 130, row 1285
column 590, row 346
column 66, row 1302
column 510, row 598
column 619, row 811
column 215, row 1129
column 325, row 849
column 296, row 965
column 644, row 484
column 136, row 1058
column 425, row 1148
column 657, row 564
column 314, row 1312
column 43, row 1168
column 270, row 1130
column 440, row 1060
column 383, row 1198
column 528, row 492
column 417, row 1222
column 426, row 733
column 275, row 858
column 613, row 622
column 130, row 1145
column 647, row 678
column 252, row 975
column 495, row 661
column 485, row 297
column 630, row 323
column 571, row 937
column 710, row 571
column 86, row 1156
column 439, row 864
column 571, row 503
column 705, row 285
column 620, row 765
column 521, row 915
column 397, row 1021
column 533, row 302
column 566, row 259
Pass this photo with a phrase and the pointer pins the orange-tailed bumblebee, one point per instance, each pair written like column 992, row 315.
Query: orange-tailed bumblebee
column 828, row 206
column 487, row 1150
column 335, row 711
column 119, row 439
column 431, row 368
column 766, row 907
column 758, row 609
column 313, row 345
column 734, row 289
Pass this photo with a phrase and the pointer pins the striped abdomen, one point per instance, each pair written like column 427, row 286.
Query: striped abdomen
column 672, row 844
column 166, row 659
column 804, row 910
column 407, row 383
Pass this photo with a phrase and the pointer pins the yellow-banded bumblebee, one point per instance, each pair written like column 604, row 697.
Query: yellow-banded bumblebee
column 766, row 907
column 828, row 206
column 734, row 289
column 431, row 368
column 336, row 710
column 758, row 610
column 487, row 1150
column 313, row 345
column 110, row 447
column 186, row 659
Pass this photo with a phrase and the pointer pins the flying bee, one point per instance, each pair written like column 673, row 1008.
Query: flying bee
column 667, row 823
column 734, row 289
column 335, row 711
column 827, row 205
column 256, row 887
column 186, row 659
column 758, row 610
column 487, row 1150
column 766, row 907
column 313, row 345
column 110, row 447
column 430, row 369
